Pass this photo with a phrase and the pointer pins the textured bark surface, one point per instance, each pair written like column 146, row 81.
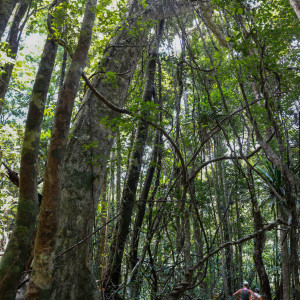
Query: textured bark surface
column 18, row 249
column 42, row 274
column 13, row 40
column 85, row 167
column 130, row 186
column 141, row 206
column 259, row 241
column 6, row 9
column 284, row 256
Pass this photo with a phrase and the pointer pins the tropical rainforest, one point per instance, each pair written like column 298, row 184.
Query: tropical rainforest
column 149, row 149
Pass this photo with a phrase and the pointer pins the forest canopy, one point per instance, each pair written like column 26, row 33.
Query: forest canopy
column 149, row 149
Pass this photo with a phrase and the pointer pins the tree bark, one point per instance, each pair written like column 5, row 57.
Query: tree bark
column 284, row 256
column 129, row 193
column 296, row 6
column 6, row 9
column 13, row 41
column 141, row 209
column 84, row 167
column 103, row 233
column 259, row 241
column 18, row 248
column 43, row 261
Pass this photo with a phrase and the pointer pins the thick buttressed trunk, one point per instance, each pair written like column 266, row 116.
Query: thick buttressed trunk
column 84, row 167
column 6, row 9
column 40, row 285
column 13, row 40
column 121, row 229
column 18, row 249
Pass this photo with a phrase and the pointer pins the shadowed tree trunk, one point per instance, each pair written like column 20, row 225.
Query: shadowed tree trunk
column 18, row 248
column 129, row 193
column 6, row 9
column 42, row 273
column 13, row 40
column 141, row 209
column 284, row 255
column 259, row 241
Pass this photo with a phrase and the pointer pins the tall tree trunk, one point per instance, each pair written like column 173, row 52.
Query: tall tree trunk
column 220, row 217
column 43, row 261
column 141, row 209
column 103, row 233
column 284, row 256
column 259, row 241
column 18, row 248
column 129, row 193
column 84, row 168
column 228, row 234
column 119, row 161
column 294, row 239
column 6, row 9
column 13, row 41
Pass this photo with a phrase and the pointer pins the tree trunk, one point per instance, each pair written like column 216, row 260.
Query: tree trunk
column 18, row 248
column 13, row 41
column 103, row 233
column 296, row 6
column 141, row 209
column 84, row 167
column 43, row 261
column 259, row 241
column 6, row 9
column 129, row 194
column 284, row 256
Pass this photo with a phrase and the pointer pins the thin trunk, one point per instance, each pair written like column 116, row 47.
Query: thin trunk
column 13, row 41
column 239, row 247
column 284, row 256
column 63, row 69
column 296, row 6
column 43, row 261
column 6, row 10
column 228, row 234
column 259, row 241
column 103, row 233
column 220, row 217
column 128, row 199
column 294, row 245
column 18, row 249
column 119, row 161
column 141, row 209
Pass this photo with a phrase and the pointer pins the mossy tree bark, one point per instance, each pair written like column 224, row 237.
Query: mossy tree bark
column 18, row 248
column 42, row 273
